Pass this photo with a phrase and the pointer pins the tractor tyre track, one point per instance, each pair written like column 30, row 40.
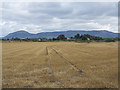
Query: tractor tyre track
column 51, row 74
column 67, row 61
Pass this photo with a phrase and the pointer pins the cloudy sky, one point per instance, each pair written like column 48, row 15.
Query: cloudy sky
column 36, row 17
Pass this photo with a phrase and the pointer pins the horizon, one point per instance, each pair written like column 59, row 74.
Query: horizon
column 40, row 17
column 58, row 31
column 107, row 34
column 61, row 31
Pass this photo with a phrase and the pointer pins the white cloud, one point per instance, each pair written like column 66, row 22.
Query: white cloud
column 53, row 16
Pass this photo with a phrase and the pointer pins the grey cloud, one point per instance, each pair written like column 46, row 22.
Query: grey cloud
column 59, row 15
column 42, row 11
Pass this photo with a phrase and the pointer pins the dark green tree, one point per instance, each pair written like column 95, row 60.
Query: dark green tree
column 61, row 37
column 77, row 36
column 71, row 38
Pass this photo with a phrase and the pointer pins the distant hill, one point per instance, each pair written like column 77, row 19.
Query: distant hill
column 71, row 33
column 20, row 34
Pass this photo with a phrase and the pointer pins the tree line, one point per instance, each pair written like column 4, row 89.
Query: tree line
column 61, row 37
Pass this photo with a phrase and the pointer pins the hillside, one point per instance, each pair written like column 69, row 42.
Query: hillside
column 71, row 33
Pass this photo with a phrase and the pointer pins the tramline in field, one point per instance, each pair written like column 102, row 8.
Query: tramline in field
column 60, row 65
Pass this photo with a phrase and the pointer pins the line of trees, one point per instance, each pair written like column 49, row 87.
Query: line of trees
column 77, row 37
column 86, row 37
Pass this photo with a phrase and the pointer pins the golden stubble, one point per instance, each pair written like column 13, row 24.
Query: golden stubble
column 62, row 65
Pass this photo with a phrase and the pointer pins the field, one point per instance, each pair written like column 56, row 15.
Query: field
column 59, row 65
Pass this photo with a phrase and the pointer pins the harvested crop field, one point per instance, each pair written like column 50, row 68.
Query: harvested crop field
column 59, row 65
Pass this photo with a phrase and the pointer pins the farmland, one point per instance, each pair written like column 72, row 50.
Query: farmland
column 59, row 65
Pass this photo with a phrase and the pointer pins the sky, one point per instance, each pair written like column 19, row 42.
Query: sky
column 36, row 17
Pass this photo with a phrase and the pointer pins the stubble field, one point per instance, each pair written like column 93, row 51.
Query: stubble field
column 59, row 65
